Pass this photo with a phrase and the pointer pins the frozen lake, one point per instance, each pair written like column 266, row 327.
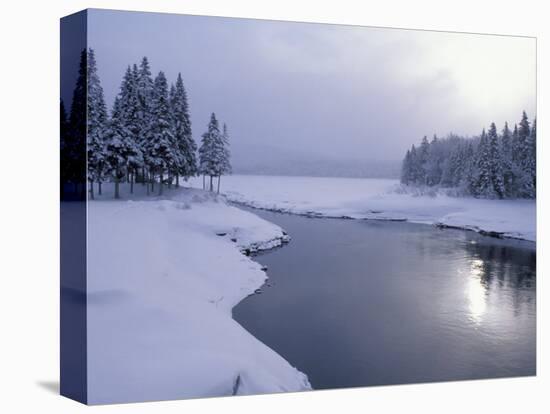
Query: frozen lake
column 356, row 303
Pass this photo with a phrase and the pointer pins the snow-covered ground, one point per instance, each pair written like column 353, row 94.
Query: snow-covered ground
column 379, row 199
column 163, row 277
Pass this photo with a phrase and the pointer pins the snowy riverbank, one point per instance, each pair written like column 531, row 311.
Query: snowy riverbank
column 378, row 199
column 163, row 277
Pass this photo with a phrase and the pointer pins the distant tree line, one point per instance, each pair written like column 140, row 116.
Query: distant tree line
column 492, row 165
column 147, row 137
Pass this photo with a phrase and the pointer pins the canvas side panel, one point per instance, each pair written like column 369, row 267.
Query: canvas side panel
column 73, row 367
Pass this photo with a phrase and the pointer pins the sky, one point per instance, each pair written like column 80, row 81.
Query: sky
column 329, row 92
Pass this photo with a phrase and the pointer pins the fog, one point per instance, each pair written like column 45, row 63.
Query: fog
column 314, row 94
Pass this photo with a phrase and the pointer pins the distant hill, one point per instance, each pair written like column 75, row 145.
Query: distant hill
column 274, row 161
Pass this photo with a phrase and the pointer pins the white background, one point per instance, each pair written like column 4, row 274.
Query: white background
column 29, row 85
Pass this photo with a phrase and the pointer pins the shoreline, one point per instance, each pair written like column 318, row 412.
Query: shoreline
column 438, row 224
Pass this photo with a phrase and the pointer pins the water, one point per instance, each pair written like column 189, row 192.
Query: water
column 357, row 303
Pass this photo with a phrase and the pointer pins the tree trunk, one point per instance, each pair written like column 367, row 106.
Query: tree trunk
column 177, row 180
column 160, row 183
column 143, row 179
column 117, row 180
column 203, row 183
column 211, row 183
column 146, row 181
column 91, row 189
column 219, row 178
column 152, row 177
column 99, row 187
column 132, row 178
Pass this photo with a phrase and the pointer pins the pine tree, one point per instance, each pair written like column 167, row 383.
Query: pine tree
column 145, row 97
column 186, row 146
column 484, row 187
column 416, row 176
column 119, row 148
column 209, row 151
column 406, row 169
column 129, row 116
column 495, row 162
column 532, row 165
column 506, row 155
column 97, row 119
column 423, row 155
column 76, row 168
column 225, row 156
column 469, row 177
column 160, row 155
column 523, row 158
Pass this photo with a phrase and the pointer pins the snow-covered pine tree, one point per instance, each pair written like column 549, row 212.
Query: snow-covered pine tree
column 495, row 162
column 416, row 176
column 119, row 146
column 186, row 146
column 423, row 154
column 469, row 176
column 97, row 120
column 209, row 154
column 532, row 165
column 506, row 156
column 484, row 187
column 129, row 115
column 406, row 169
column 145, row 98
column 76, row 169
column 433, row 163
column 523, row 156
column 160, row 149
column 225, row 156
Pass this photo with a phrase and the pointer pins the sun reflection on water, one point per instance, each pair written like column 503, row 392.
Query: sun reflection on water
column 475, row 291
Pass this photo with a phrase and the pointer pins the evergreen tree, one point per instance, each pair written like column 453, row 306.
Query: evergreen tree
column 506, row 155
column 225, row 155
column 129, row 116
column 525, row 180
column 160, row 155
column 533, row 157
column 97, row 119
column 209, row 151
column 186, row 146
column 416, row 176
column 469, row 176
column 433, row 161
column 145, row 98
column 120, row 148
column 484, row 185
column 406, row 169
column 423, row 155
column 495, row 162
column 76, row 168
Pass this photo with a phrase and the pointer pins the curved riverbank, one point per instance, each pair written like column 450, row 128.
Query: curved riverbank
column 163, row 278
column 377, row 199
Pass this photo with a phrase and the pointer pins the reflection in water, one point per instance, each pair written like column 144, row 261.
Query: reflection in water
column 476, row 292
column 354, row 303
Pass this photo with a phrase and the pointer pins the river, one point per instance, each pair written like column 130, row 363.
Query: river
column 359, row 303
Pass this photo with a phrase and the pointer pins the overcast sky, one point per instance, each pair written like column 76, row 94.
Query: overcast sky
column 340, row 92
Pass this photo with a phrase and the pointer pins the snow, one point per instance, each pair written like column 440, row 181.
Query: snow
column 380, row 199
column 163, row 277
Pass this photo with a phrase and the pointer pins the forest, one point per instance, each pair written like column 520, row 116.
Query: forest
column 146, row 138
column 492, row 165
